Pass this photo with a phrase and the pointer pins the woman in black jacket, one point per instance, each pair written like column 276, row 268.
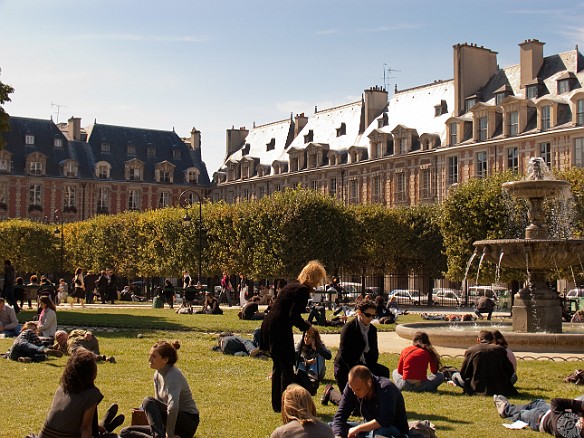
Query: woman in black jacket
column 358, row 346
column 276, row 332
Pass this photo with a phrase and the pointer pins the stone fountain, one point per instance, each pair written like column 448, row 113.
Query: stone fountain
column 537, row 311
column 536, row 307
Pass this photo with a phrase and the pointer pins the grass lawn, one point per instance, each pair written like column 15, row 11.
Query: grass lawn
column 232, row 393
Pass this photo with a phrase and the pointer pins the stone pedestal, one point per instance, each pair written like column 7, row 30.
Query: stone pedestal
column 537, row 315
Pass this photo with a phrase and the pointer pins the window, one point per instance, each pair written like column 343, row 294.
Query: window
column 425, row 187
column 481, row 164
column 58, row 143
column 70, row 169
column 192, row 176
column 4, row 165
column 35, row 168
column 35, row 195
column 29, row 139
column 103, row 170
column 563, row 86
column 500, row 97
column 314, row 185
column 309, row 137
column 545, row 152
column 293, row 164
column 105, row 148
column 532, row 92
column 278, row 188
column 378, row 150
column 452, row 170
column 401, row 145
column 333, row 187
column 176, row 154
column 3, row 186
column 453, row 134
column 164, row 176
column 513, row 159
column 245, row 195
column 400, row 190
column 271, row 145
column 470, row 103
column 483, row 125
column 69, row 197
column 131, row 150
column 134, row 174
column 580, row 112
column 545, row 117
column 513, row 123
column 164, row 200
column 579, row 152
column 133, row 200
column 103, row 200
column 342, row 130
column 151, row 152
column 376, row 189
column 312, row 160
column 354, row 191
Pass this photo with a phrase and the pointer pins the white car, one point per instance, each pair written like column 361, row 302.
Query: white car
column 408, row 296
column 446, row 297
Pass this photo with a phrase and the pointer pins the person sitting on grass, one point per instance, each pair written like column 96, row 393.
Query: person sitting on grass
column 311, row 354
column 299, row 416
column 210, row 305
column 251, row 310
column 172, row 411
column 9, row 325
column 27, row 347
column 47, row 322
column 73, row 412
column 561, row 418
column 413, row 364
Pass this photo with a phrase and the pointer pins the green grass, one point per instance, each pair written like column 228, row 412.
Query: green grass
column 232, row 393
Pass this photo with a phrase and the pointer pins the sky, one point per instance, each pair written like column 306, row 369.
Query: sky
column 218, row 64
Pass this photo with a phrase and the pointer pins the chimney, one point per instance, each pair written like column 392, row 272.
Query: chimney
column 530, row 60
column 235, row 139
column 195, row 139
column 300, row 122
column 375, row 101
column 473, row 66
column 74, row 128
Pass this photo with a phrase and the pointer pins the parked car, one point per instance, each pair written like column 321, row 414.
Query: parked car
column 446, row 297
column 408, row 296
column 575, row 294
column 490, row 291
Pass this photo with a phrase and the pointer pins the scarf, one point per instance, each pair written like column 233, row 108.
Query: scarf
column 365, row 332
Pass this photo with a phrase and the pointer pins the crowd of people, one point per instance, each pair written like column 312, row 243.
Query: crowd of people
column 366, row 387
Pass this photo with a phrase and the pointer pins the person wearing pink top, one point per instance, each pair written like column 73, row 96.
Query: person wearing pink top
column 414, row 361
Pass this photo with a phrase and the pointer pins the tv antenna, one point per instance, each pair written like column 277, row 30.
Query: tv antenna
column 58, row 109
column 386, row 71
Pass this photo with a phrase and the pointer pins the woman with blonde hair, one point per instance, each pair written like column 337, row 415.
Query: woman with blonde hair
column 276, row 332
column 299, row 416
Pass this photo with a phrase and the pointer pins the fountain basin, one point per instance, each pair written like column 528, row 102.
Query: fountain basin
column 537, row 189
column 464, row 334
column 536, row 254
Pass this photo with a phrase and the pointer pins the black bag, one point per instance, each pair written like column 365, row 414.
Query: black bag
column 577, row 377
column 448, row 371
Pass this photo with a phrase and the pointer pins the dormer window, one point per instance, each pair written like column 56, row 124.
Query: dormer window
column 440, row 109
column 131, row 150
column 164, row 172
column 29, row 139
column 151, row 152
column 381, row 122
column 342, row 130
column 532, row 91
column 134, row 174
column 105, row 148
column 470, row 102
column 58, row 143
column 245, row 150
column 545, row 117
column 70, row 169
column 499, row 97
column 309, row 137
column 564, row 86
column 192, row 176
column 271, row 145
column 102, row 170
column 580, row 112
column 482, row 128
column 35, row 168
column 5, row 161
column 176, row 154
column 453, row 131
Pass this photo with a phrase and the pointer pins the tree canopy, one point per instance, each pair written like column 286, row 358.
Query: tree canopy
column 5, row 92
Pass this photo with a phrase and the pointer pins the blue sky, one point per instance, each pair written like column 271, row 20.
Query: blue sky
column 217, row 64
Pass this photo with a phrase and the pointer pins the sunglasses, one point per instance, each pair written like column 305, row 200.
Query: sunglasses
column 369, row 315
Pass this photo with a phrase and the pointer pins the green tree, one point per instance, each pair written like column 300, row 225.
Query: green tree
column 5, row 92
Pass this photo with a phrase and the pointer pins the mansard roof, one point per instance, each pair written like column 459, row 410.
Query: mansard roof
column 415, row 109
column 45, row 132
column 165, row 143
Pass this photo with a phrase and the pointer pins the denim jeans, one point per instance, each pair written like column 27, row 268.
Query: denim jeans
column 530, row 413
column 388, row 432
column 429, row 385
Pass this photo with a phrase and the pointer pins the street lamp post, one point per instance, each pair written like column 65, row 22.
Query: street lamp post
column 186, row 201
column 58, row 219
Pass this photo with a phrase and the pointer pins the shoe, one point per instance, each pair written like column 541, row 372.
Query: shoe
column 326, row 395
column 255, row 352
column 111, row 359
column 25, row 359
column 501, row 404
column 51, row 352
